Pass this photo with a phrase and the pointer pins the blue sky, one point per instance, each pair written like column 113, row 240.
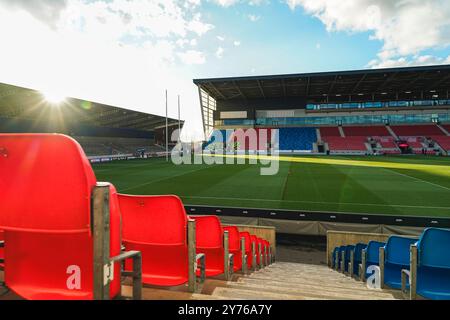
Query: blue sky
column 127, row 52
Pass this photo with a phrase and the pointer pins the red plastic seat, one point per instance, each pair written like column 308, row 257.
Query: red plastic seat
column 235, row 246
column 248, row 247
column 261, row 245
column 255, row 241
column 157, row 226
column 46, row 183
column 209, row 237
column 2, row 237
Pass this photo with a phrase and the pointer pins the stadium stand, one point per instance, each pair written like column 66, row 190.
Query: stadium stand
column 37, row 232
column 167, row 239
column 346, row 144
column 416, row 130
column 366, row 131
column 103, row 146
column 211, row 242
column 442, row 141
column 235, row 247
column 297, row 139
column 430, row 266
column 394, row 257
column 330, row 132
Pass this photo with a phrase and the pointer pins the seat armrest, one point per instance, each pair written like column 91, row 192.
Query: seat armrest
column 200, row 257
column 405, row 281
column 136, row 274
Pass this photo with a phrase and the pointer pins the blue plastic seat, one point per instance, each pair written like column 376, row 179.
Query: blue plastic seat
column 433, row 267
column 357, row 257
column 340, row 250
column 333, row 258
column 348, row 249
column 396, row 258
column 373, row 254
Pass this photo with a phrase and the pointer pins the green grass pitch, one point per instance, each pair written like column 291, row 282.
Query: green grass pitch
column 411, row 185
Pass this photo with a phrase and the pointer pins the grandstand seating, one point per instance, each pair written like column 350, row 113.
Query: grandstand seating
column 433, row 264
column 417, row 130
column 365, row 131
column 35, row 230
column 396, row 258
column 446, row 127
column 235, row 246
column 102, row 146
column 329, row 132
column 372, row 256
column 297, row 138
column 443, row 141
column 210, row 242
column 157, row 227
column 346, row 144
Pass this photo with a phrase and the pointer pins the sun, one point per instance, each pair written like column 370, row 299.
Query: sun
column 54, row 97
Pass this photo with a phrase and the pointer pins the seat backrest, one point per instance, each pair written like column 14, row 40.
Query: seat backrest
column 41, row 177
column 358, row 251
column 397, row 250
column 433, row 248
column 248, row 240
column 209, row 232
column 155, row 220
column 234, row 241
column 373, row 251
column 46, row 184
column 348, row 249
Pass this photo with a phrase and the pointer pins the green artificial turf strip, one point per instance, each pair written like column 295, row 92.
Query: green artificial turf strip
column 413, row 185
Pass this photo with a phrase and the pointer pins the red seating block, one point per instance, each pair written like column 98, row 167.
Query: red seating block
column 366, row 131
column 235, row 246
column 347, row 143
column 248, row 247
column 209, row 238
column 157, row 226
column 417, row 130
column 45, row 212
column 330, row 132
column 443, row 141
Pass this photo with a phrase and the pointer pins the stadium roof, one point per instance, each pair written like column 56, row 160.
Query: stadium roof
column 363, row 84
column 28, row 104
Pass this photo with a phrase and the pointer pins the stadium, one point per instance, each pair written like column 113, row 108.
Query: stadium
column 363, row 172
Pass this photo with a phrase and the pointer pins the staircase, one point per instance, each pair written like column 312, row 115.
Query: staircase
column 280, row 281
column 392, row 132
column 443, row 130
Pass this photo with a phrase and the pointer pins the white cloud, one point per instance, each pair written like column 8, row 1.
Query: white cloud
column 229, row 3
column 219, row 52
column 253, row 17
column 236, row 43
column 318, row 46
column 220, row 38
column 406, row 28
column 192, row 57
column 120, row 52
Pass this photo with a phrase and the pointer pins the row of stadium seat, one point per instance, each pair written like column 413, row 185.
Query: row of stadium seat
column 418, row 267
column 52, row 205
